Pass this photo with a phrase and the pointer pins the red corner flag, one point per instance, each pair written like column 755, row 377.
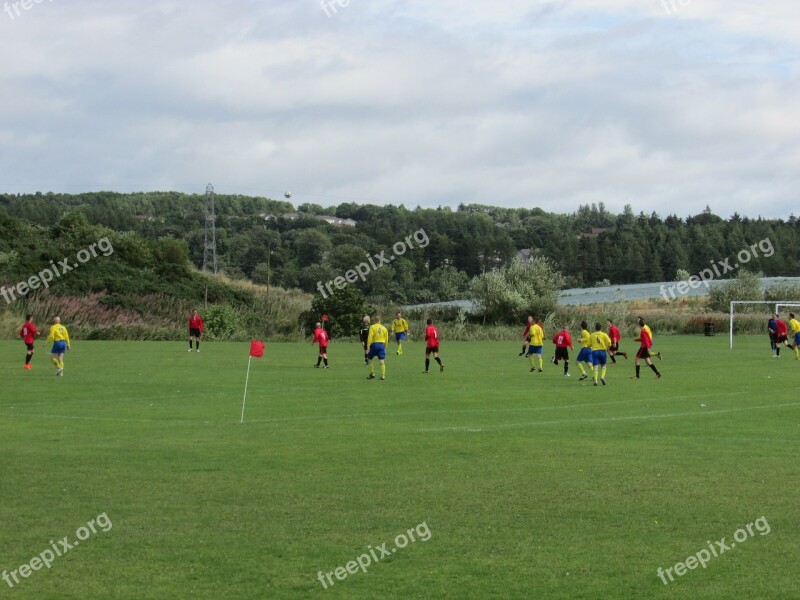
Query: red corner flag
column 256, row 349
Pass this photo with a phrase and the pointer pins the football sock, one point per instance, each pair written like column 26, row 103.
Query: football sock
column 655, row 370
column 603, row 373
column 532, row 361
column 582, row 370
column 190, row 344
column 428, row 363
column 438, row 360
column 28, row 358
column 613, row 360
column 383, row 370
column 778, row 351
column 55, row 362
column 797, row 352
column 400, row 348
column 197, row 344
column 594, row 375
column 566, row 368
column 540, row 362
column 319, row 360
column 637, row 371
column 325, row 360
column 371, row 369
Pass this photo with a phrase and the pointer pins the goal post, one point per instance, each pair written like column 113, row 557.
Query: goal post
column 778, row 305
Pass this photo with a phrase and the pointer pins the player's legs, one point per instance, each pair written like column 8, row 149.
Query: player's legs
column 427, row 359
column 29, row 356
column 383, row 369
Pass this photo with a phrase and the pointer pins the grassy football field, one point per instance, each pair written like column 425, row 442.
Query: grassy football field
column 513, row 484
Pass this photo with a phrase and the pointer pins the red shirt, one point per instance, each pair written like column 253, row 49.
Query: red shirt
column 527, row 329
column 781, row 328
column 28, row 333
column 321, row 338
column 613, row 333
column 562, row 339
column 432, row 336
column 645, row 339
column 195, row 322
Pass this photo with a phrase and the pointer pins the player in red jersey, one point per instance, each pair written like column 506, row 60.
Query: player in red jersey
column 613, row 333
column 645, row 343
column 781, row 335
column 526, row 336
column 196, row 329
column 432, row 346
column 321, row 338
column 28, row 333
column 563, row 342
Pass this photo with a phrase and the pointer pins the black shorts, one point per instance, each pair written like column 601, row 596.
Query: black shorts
column 614, row 347
column 643, row 353
column 30, row 346
column 773, row 337
column 780, row 339
column 428, row 351
column 562, row 354
column 194, row 332
column 323, row 350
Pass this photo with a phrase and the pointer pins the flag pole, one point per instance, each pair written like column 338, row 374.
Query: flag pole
column 247, row 379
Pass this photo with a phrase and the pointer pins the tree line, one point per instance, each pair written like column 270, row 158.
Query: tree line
column 256, row 242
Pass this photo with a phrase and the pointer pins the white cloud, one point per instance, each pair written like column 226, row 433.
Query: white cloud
column 520, row 103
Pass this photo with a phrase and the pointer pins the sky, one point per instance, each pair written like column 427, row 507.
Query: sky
column 666, row 105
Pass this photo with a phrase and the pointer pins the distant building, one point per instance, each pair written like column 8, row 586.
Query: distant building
column 293, row 216
column 596, row 231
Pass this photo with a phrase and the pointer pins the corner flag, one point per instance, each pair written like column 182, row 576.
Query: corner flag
column 256, row 351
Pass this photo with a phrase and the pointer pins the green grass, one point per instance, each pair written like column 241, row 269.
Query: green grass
column 532, row 485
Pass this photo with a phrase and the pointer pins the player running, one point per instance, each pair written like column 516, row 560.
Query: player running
column 376, row 340
column 60, row 340
column 526, row 337
column 321, row 338
column 196, row 329
column 781, row 333
column 585, row 355
column 613, row 333
column 646, row 327
column 563, row 342
column 600, row 345
column 794, row 325
column 432, row 346
column 401, row 330
column 364, row 336
column 28, row 333
column 772, row 326
column 536, row 346
column 645, row 343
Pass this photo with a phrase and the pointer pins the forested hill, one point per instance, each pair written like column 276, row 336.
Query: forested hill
column 273, row 241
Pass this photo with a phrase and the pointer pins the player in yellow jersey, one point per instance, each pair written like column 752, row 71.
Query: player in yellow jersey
column 794, row 328
column 60, row 340
column 585, row 354
column 400, row 329
column 377, row 340
column 646, row 328
column 600, row 345
column 536, row 347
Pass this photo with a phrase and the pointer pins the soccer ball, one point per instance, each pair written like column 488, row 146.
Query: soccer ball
column 287, row 195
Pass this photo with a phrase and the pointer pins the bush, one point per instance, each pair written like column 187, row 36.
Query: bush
column 746, row 286
column 222, row 322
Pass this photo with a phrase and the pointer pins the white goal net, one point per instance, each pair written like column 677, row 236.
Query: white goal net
column 778, row 306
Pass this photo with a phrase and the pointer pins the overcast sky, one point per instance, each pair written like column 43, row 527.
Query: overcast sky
column 667, row 105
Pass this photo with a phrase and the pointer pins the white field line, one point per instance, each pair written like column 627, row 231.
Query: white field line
column 695, row 413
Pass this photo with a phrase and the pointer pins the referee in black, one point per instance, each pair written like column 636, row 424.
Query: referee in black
column 364, row 337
